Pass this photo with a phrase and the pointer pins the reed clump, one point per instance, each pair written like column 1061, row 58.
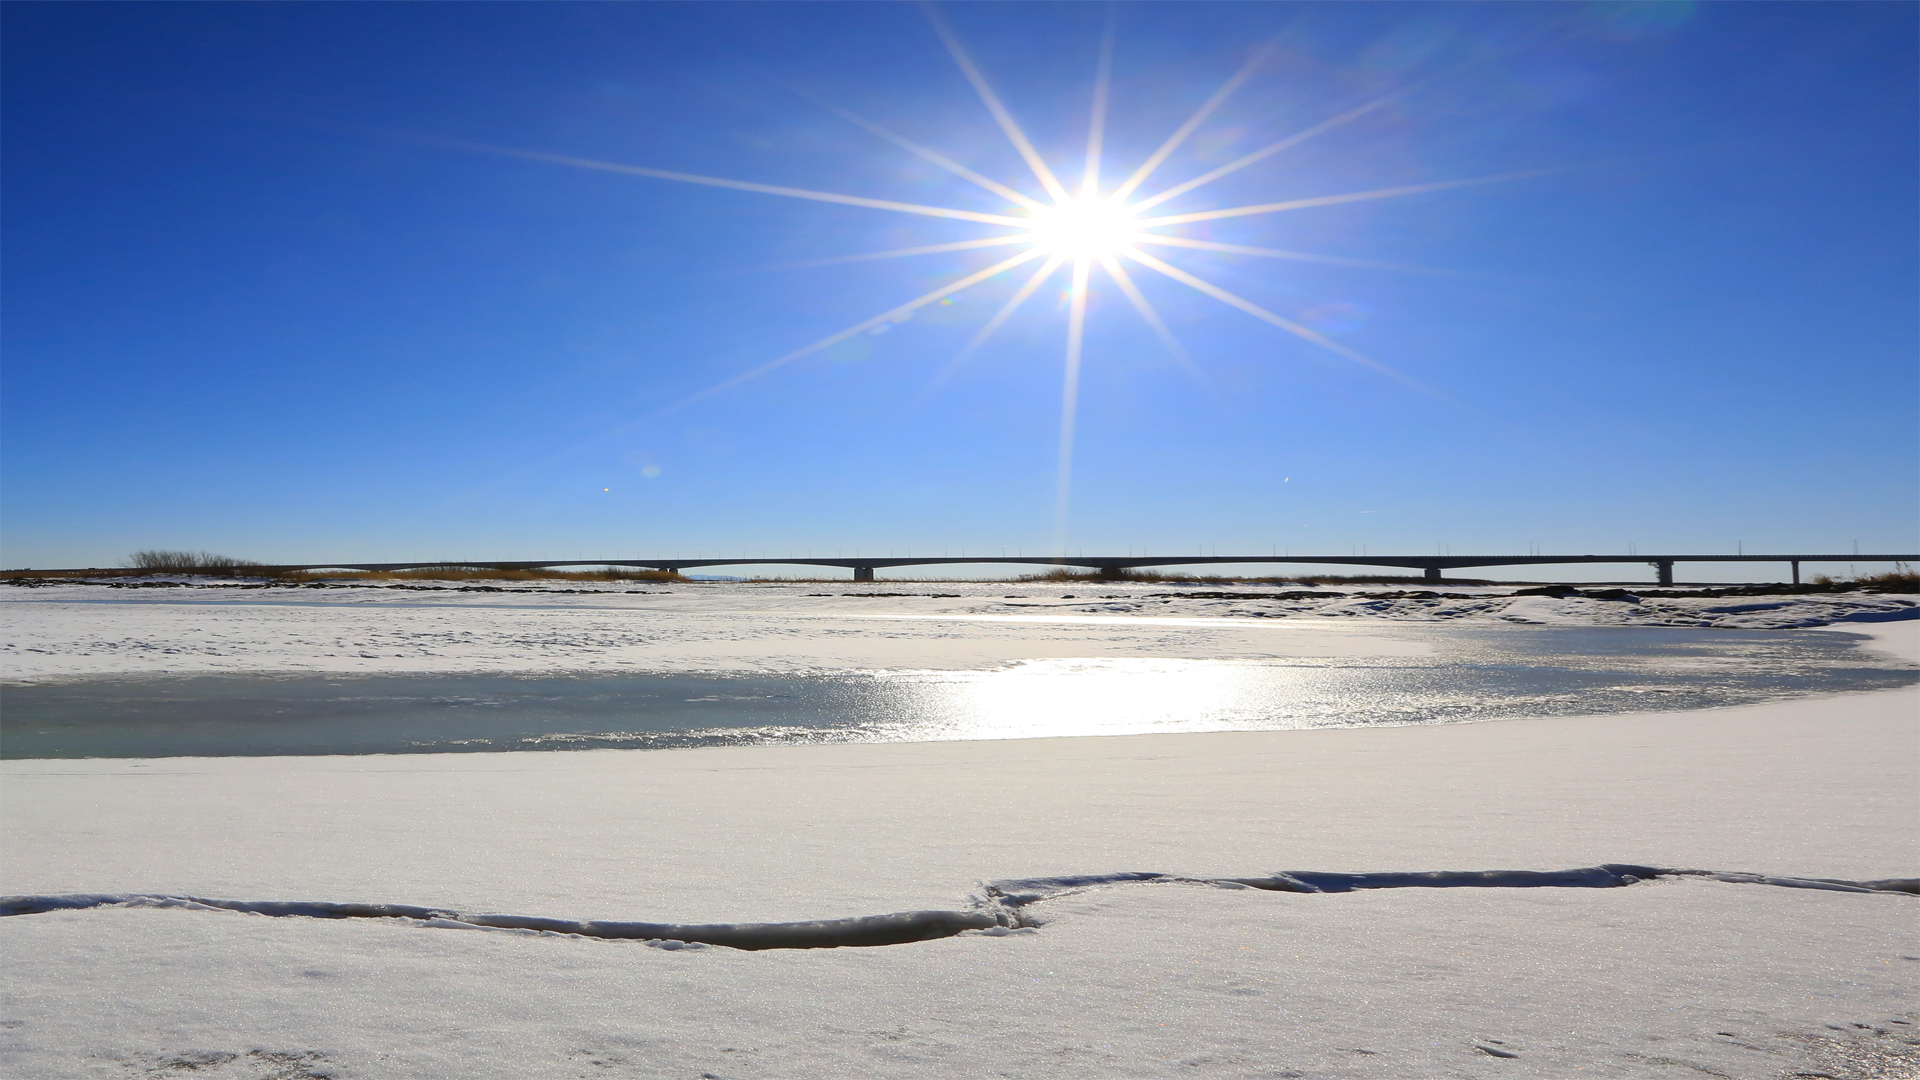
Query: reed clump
column 1062, row 575
column 193, row 562
column 1902, row 578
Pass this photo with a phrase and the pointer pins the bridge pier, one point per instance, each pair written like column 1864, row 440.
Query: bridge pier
column 1796, row 571
column 863, row 573
column 1432, row 575
column 1665, row 566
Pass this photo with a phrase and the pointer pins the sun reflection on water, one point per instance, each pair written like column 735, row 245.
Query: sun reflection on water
column 1063, row 698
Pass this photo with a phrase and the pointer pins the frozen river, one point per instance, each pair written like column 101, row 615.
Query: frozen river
column 1478, row 673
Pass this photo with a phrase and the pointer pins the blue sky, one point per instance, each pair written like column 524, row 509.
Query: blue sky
column 253, row 306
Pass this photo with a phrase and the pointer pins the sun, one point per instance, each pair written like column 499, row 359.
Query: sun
column 1095, row 227
column 1084, row 228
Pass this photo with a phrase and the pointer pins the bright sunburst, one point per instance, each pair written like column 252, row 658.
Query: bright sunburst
column 1083, row 228
column 1073, row 231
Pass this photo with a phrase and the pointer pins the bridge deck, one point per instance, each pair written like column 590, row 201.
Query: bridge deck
column 863, row 566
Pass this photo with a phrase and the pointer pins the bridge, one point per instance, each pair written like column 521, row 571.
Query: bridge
column 1114, row 566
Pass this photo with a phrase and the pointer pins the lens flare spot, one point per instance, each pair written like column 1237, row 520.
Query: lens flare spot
column 1335, row 318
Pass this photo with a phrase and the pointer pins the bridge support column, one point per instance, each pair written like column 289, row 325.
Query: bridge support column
column 1796, row 571
column 1665, row 566
column 1113, row 573
column 863, row 573
column 1432, row 574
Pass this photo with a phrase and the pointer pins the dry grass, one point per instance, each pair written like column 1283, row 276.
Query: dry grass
column 1064, row 576
column 1901, row 578
column 191, row 562
column 482, row 573
column 207, row 564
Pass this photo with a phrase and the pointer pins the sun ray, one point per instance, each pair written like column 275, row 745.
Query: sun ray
column 1070, row 400
column 858, row 328
column 1264, row 152
column 1097, row 127
column 1013, row 304
column 1147, row 311
column 901, row 253
column 715, row 181
column 1299, row 256
column 931, row 155
column 999, row 319
column 1331, row 200
column 1199, row 116
column 992, row 102
column 1266, row 316
column 1151, row 314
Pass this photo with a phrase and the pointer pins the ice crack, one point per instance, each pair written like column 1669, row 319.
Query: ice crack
column 1000, row 907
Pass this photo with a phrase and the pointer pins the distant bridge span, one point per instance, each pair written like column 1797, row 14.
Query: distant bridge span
column 1112, row 565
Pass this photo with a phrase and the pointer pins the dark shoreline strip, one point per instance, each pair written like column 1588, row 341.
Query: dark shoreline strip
column 1001, row 906
column 897, row 928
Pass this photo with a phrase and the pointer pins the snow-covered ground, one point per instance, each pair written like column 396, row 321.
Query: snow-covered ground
column 62, row 631
column 1679, row 977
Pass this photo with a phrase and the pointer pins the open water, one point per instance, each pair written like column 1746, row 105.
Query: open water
column 1474, row 674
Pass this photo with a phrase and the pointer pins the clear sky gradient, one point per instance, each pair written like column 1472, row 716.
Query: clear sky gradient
column 258, row 302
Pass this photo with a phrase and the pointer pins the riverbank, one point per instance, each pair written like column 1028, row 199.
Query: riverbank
column 77, row 631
